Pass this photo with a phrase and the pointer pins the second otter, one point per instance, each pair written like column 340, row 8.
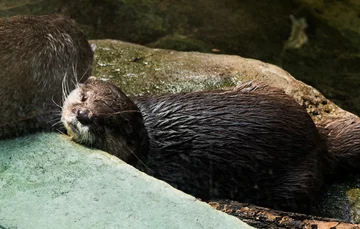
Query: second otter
column 254, row 144
column 39, row 57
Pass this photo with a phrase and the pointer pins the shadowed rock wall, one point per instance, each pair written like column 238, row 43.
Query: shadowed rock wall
column 256, row 29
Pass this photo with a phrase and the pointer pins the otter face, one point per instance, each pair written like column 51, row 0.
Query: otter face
column 76, row 117
column 100, row 115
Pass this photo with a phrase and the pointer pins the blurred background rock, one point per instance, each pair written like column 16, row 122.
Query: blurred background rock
column 317, row 41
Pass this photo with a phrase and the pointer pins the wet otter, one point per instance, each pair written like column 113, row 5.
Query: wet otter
column 38, row 55
column 342, row 137
column 245, row 144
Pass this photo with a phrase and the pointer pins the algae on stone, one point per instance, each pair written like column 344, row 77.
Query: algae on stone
column 139, row 70
column 253, row 29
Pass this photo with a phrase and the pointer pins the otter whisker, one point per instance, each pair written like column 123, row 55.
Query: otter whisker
column 87, row 139
column 68, row 84
column 85, row 73
column 135, row 155
column 74, row 67
column 127, row 111
column 68, row 79
column 60, row 132
column 58, row 105
column 56, row 123
column 122, row 112
column 55, row 116
column 74, row 83
column 106, row 114
column 54, row 120
column 63, row 85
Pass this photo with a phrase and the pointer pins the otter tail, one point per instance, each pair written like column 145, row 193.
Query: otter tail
column 342, row 137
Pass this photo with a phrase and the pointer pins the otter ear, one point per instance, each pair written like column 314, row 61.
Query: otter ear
column 93, row 47
column 90, row 80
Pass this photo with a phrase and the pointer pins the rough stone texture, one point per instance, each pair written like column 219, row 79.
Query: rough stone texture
column 47, row 181
column 342, row 15
column 254, row 29
column 141, row 70
column 277, row 219
column 329, row 60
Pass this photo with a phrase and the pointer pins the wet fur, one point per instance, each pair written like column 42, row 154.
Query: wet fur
column 118, row 126
column 342, row 137
column 246, row 144
column 39, row 55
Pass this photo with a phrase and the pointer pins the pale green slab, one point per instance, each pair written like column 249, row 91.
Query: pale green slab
column 47, row 181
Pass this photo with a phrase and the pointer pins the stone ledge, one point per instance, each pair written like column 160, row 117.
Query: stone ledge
column 47, row 181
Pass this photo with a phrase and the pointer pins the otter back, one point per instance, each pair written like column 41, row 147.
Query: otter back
column 257, row 146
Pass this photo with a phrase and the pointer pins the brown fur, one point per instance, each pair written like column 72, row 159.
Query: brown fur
column 245, row 144
column 36, row 53
column 342, row 137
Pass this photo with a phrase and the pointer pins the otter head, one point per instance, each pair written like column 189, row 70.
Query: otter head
column 100, row 115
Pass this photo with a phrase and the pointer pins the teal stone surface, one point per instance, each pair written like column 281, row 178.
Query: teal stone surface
column 48, row 181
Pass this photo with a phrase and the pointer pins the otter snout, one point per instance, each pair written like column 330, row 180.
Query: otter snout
column 83, row 116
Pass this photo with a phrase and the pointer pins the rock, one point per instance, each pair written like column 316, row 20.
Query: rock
column 277, row 219
column 328, row 60
column 340, row 15
column 48, row 181
column 259, row 30
column 140, row 70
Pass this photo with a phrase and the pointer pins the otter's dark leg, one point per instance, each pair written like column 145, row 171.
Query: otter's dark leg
column 299, row 189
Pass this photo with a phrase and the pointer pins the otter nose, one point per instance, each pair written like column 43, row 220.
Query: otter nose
column 83, row 116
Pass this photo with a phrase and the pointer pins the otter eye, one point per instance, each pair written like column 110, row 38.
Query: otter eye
column 83, row 97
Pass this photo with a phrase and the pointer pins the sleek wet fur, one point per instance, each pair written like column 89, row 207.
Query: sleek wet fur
column 39, row 57
column 342, row 137
column 253, row 144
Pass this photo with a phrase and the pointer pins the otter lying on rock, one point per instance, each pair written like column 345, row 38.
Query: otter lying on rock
column 254, row 144
column 38, row 56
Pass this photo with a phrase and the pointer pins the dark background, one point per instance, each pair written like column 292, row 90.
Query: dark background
column 329, row 61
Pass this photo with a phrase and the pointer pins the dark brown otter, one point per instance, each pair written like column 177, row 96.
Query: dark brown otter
column 245, row 144
column 39, row 57
column 342, row 137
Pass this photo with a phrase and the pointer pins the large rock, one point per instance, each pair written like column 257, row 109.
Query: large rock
column 141, row 70
column 47, row 181
column 254, row 29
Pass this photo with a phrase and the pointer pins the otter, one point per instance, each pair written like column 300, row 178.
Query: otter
column 342, row 138
column 39, row 57
column 253, row 144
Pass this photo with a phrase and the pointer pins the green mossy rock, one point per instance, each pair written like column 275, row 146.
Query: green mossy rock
column 254, row 29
